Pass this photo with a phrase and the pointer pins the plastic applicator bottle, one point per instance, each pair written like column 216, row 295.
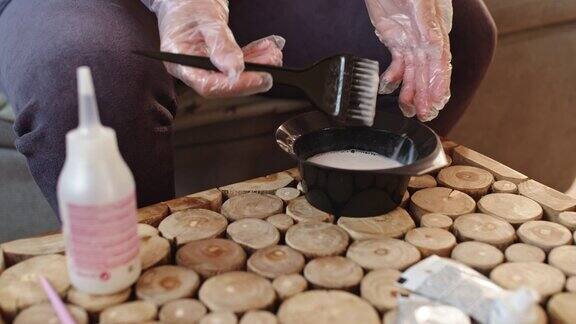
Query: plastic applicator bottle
column 96, row 196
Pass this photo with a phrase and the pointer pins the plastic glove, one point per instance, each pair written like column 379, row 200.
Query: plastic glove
column 200, row 27
column 416, row 33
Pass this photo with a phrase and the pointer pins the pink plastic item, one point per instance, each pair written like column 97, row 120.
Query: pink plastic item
column 59, row 307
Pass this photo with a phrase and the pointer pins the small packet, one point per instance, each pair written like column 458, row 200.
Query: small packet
column 449, row 282
column 420, row 310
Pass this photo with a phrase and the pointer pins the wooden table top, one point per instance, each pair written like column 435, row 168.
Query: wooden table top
column 257, row 252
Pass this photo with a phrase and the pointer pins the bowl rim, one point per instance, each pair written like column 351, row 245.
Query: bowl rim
column 431, row 162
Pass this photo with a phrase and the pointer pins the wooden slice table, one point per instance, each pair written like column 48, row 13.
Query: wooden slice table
column 258, row 252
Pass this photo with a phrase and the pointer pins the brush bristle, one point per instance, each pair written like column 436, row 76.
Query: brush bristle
column 363, row 92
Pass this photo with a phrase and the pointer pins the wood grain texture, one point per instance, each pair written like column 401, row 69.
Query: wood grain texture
column 383, row 253
column 545, row 235
column 431, row 241
column 564, row 258
column 436, row 220
column 562, row 308
column 522, row 252
column 282, row 222
column 471, row 180
column 166, row 283
column 20, row 285
column 543, row 278
column 553, row 201
column 504, row 186
column 259, row 317
column 192, row 225
column 275, row 261
column 186, row 202
column 477, row 255
column 263, row 185
column 44, row 314
column 94, row 304
column 131, row 312
column 214, row 196
column 19, row 250
column 514, row 209
column 394, row 224
column 153, row 215
column 421, row 182
column 466, row 156
column 484, row 228
column 314, row 239
column 327, row 307
column 441, row 200
column 301, row 211
column 186, row 310
column 333, row 272
column 253, row 234
column 287, row 286
column 237, row 292
column 252, row 205
column 211, row 256
column 379, row 287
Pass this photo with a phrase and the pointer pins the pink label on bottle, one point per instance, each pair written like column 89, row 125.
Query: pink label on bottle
column 102, row 237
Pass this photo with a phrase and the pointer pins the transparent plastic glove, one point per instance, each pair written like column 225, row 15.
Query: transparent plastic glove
column 200, row 27
column 416, row 33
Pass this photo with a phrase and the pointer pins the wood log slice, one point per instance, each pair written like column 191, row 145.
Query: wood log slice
column 253, row 234
column 543, row 278
column 301, row 211
column 562, row 308
column 275, row 261
column 237, row 292
column 94, row 304
column 471, row 180
column 484, row 228
column 287, row 286
column 545, row 235
column 441, row 200
column 568, row 219
column 131, row 312
column 564, row 258
column 421, row 182
column 327, row 307
column 317, row 239
column 295, row 174
column 333, row 272
column 20, row 286
column 211, row 256
column 153, row 215
column 184, row 203
column 553, row 201
column 514, row 209
column 383, row 253
column 449, row 146
column 436, row 220
column 219, row 318
column 282, row 222
column 477, row 255
column 154, row 250
column 186, row 310
column 571, row 284
column 144, row 230
column 287, row 194
column 431, row 241
column 44, row 314
column 166, row 283
column 380, row 288
column 214, row 196
column 504, row 186
column 252, row 205
column 19, row 250
column 192, row 225
column 522, row 252
column 263, row 185
column 466, row 156
column 259, row 317
column 394, row 224
column 405, row 199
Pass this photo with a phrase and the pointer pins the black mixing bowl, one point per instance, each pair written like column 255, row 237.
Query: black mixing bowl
column 359, row 193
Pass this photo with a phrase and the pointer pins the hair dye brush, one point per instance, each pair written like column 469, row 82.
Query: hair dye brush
column 343, row 86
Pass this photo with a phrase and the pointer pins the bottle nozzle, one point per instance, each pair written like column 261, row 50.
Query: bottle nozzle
column 88, row 109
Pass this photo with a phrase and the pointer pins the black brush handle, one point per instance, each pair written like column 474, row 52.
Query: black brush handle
column 279, row 74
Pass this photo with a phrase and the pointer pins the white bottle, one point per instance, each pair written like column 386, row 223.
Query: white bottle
column 96, row 196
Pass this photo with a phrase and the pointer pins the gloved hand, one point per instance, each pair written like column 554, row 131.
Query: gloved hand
column 200, row 27
column 416, row 33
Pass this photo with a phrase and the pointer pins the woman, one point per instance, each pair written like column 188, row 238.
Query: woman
column 42, row 42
